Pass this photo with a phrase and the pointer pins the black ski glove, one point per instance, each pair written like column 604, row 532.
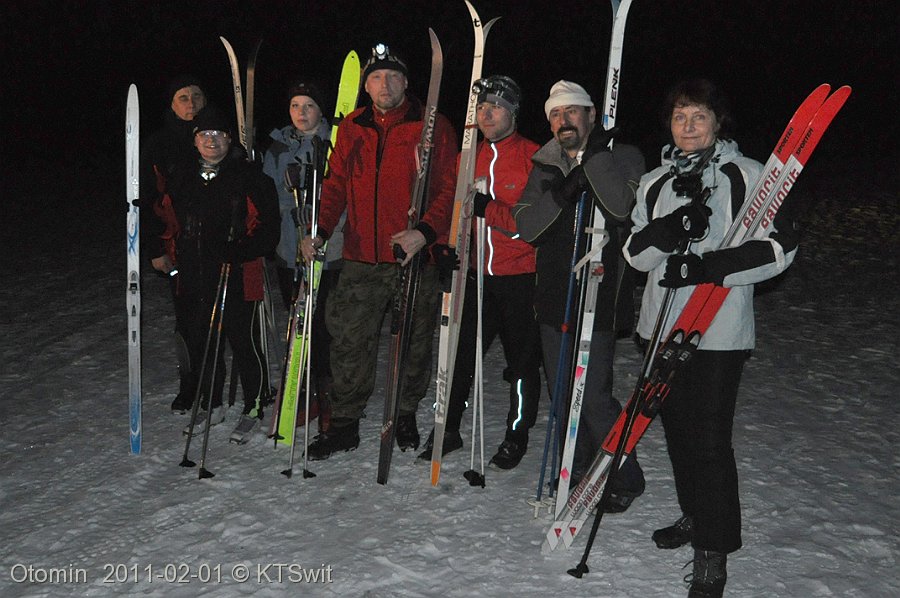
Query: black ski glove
column 480, row 202
column 569, row 190
column 690, row 269
column 447, row 261
column 683, row 270
column 445, row 257
column 598, row 141
column 687, row 222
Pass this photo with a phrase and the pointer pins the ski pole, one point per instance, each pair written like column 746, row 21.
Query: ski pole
column 477, row 478
column 185, row 462
column 555, row 421
column 205, row 473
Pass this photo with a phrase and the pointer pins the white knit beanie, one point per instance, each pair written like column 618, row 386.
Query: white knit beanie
column 566, row 93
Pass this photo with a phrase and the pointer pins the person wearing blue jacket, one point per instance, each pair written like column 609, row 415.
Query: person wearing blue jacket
column 288, row 161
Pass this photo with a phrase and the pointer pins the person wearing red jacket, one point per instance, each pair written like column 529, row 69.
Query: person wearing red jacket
column 372, row 171
column 504, row 160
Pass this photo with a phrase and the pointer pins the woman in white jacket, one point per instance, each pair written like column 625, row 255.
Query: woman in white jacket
column 683, row 210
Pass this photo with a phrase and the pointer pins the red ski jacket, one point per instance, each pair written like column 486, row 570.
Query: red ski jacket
column 372, row 171
column 506, row 165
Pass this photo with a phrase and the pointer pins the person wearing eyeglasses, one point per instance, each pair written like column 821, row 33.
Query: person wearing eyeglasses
column 227, row 214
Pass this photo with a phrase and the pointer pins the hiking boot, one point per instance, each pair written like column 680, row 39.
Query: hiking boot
column 217, row 417
column 709, row 575
column 452, row 442
column 243, row 431
column 407, row 432
column 509, row 454
column 676, row 535
column 342, row 435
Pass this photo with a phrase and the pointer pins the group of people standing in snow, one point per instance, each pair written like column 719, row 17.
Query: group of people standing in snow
column 211, row 207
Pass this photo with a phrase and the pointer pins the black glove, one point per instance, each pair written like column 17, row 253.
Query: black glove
column 293, row 176
column 480, row 202
column 683, row 270
column 569, row 190
column 598, row 140
column 445, row 257
column 688, row 222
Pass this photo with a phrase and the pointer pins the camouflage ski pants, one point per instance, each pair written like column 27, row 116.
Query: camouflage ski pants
column 354, row 316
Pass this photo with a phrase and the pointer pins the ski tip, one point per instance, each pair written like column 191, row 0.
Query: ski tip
column 841, row 94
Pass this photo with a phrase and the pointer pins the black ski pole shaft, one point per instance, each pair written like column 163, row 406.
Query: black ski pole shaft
column 205, row 473
column 195, row 407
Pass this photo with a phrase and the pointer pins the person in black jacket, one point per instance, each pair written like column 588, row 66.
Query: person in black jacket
column 164, row 150
column 227, row 213
column 578, row 159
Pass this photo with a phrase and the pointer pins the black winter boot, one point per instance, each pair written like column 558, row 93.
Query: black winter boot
column 342, row 435
column 511, row 451
column 452, row 442
column 676, row 535
column 407, row 432
column 708, row 577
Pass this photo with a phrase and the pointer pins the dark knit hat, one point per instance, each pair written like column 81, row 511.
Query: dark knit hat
column 383, row 58
column 309, row 89
column 211, row 119
column 500, row 90
column 180, row 82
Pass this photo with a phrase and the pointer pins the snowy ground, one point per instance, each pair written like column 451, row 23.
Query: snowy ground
column 815, row 437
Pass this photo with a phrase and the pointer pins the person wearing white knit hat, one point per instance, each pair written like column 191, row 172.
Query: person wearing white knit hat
column 566, row 93
column 578, row 159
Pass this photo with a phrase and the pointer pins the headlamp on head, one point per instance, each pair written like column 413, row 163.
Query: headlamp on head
column 383, row 58
column 499, row 90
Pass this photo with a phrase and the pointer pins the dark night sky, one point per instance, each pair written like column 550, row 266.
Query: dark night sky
column 67, row 65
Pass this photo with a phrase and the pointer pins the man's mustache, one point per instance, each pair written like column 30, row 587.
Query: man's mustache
column 565, row 128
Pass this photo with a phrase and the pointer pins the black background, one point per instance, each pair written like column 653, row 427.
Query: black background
column 67, row 66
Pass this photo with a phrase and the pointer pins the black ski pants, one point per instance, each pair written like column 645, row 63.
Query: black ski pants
column 240, row 329
column 507, row 312
column 698, row 417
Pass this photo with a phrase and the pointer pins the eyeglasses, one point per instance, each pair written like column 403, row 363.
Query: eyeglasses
column 217, row 135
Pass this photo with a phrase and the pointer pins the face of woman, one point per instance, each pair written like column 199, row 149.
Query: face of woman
column 305, row 114
column 694, row 127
